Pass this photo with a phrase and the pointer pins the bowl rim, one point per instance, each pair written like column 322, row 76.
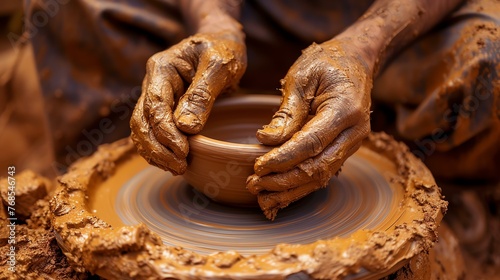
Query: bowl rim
column 198, row 141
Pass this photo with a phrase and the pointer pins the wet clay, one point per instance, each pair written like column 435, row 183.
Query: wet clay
column 331, row 81
column 444, row 261
column 222, row 156
column 37, row 254
column 29, row 188
column 136, row 252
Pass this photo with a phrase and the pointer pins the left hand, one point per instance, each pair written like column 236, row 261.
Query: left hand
column 166, row 112
column 331, row 82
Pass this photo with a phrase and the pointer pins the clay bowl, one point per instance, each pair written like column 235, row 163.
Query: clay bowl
column 222, row 156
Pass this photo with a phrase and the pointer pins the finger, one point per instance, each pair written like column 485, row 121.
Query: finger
column 211, row 78
column 315, row 135
column 320, row 168
column 277, row 182
column 271, row 202
column 324, row 166
column 161, row 84
column 291, row 115
column 147, row 145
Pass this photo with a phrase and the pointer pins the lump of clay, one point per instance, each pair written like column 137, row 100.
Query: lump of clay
column 38, row 257
column 29, row 188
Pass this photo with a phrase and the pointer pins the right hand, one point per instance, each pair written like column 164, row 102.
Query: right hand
column 330, row 82
column 207, row 64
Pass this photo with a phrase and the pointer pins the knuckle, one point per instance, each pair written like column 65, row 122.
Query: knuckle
column 357, row 110
column 153, row 61
column 315, row 143
column 216, row 58
column 159, row 61
column 364, row 130
column 138, row 123
column 134, row 122
column 312, row 49
column 309, row 143
column 139, row 142
column 200, row 96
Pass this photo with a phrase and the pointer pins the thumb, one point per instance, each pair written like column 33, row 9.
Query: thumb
column 290, row 117
column 195, row 105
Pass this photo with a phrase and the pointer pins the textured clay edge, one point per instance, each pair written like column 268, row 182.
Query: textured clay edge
column 135, row 252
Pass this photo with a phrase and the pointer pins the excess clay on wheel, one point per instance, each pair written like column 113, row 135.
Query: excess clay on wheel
column 107, row 248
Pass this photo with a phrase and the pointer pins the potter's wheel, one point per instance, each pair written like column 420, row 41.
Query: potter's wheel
column 360, row 198
column 119, row 218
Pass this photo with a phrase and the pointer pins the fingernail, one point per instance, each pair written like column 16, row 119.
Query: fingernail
column 277, row 122
column 270, row 134
column 251, row 184
column 260, row 168
column 188, row 122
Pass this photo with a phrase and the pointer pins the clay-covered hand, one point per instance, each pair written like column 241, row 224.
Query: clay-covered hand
column 178, row 91
column 323, row 118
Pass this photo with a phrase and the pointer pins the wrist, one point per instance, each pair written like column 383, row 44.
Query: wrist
column 214, row 16
column 225, row 24
column 366, row 39
column 388, row 26
column 356, row 49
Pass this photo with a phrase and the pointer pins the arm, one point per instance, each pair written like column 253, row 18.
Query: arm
column 389, row 25
column 203, row 16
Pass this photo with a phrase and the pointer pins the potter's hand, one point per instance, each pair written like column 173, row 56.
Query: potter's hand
column 207, row 64
column 332, row 83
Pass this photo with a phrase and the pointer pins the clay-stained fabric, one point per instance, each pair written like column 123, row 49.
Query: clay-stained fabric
column 445, row 91
column 91, row 58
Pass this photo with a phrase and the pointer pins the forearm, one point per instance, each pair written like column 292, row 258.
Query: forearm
column 389, row 25
column 204, row 16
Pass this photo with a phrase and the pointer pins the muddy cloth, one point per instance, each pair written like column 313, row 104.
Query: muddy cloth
column 445, row 91
column 91, row 58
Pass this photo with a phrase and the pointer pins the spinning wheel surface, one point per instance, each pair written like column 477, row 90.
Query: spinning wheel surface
column 360, row 198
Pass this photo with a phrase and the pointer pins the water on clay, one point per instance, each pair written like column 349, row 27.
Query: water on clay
column 362, row 197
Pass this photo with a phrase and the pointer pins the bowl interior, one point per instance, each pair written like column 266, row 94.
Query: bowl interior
column 235, row 120
column 222, row 156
